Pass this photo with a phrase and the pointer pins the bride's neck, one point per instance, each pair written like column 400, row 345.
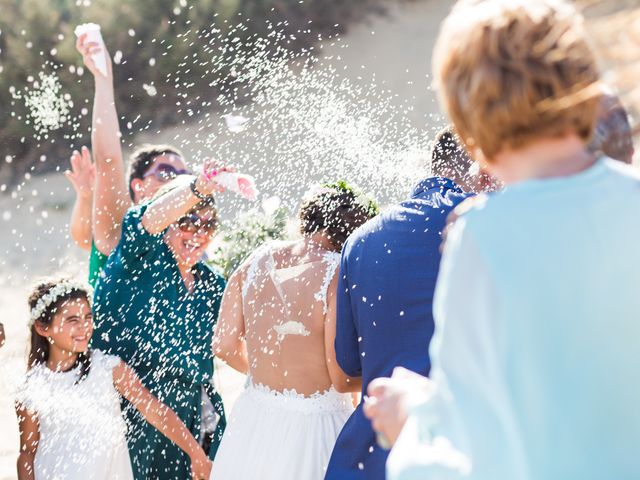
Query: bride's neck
column 316, row 242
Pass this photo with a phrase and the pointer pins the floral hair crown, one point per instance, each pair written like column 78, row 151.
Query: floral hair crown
column 367, row 203
column 60, row 290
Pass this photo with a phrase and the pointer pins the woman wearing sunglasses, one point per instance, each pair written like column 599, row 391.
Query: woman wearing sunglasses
column 156, row 307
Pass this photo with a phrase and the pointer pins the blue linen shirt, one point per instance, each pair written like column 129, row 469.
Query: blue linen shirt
column 387, row 278
column 535, row 355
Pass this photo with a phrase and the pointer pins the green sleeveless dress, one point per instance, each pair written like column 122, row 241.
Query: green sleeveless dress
column 97, row 261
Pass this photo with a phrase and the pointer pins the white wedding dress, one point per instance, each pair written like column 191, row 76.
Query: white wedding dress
column 280, row 428
column 82, row 432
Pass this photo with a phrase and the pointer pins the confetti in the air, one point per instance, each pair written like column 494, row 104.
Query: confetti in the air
column 235, row 123
column 48, row 107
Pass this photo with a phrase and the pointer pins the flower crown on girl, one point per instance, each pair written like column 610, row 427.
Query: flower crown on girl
column 61, row 289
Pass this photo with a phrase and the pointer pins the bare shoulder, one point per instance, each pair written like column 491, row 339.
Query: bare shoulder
column 122, row 372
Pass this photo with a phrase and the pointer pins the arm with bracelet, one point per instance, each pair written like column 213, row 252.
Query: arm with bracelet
column 173, row 205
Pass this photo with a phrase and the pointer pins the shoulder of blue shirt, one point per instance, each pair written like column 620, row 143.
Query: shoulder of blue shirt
column 421, row 191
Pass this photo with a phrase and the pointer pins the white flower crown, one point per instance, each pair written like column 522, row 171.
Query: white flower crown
column 63, row 288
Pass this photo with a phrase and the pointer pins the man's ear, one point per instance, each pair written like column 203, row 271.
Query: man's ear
column 136, row 186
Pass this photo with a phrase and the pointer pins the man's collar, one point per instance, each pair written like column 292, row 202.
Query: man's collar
column 431, row 183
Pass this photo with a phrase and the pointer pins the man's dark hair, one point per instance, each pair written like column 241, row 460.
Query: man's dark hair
column 337, row 210
column 613, row 135
column 448, row 156
column 142, row 159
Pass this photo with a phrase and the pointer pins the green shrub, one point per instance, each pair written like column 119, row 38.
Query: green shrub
column 251, row 228
column 172, row 45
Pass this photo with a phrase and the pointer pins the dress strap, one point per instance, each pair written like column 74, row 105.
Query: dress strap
column 332, row 260
column 218, row 407
column 255, row 257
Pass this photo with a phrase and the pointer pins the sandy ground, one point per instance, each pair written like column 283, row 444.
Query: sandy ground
column 34, row 222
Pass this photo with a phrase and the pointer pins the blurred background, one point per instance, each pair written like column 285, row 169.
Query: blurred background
column 291, row 91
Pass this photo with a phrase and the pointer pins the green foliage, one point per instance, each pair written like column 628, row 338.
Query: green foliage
column 172, row 45
column 371, row 206
column 252, row 228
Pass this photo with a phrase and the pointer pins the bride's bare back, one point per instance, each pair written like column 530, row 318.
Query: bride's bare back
column 284, row 306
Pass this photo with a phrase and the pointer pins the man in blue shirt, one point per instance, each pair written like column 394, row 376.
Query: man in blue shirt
column 387, row 279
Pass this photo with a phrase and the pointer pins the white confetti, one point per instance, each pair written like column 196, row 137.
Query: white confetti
column 150, row 89
column 235, row 123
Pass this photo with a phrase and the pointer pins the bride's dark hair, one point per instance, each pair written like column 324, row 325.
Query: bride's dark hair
column 336, row 209
column 39, row 345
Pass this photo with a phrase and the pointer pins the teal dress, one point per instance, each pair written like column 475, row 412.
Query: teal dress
column 97, row 261
column 146, row 316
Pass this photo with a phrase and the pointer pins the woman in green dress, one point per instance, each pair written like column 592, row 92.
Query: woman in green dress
column 156, row 306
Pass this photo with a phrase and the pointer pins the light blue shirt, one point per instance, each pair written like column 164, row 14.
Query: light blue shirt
column 536, row 355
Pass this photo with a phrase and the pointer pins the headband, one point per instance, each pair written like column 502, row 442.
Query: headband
column 60, row 290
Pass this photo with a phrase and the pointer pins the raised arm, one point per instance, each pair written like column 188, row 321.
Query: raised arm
column 29, row 438
column 229, row 343
column 82, row 176
column 162, row 417
column 111, row 193
column 169, row 207
column 341, row 381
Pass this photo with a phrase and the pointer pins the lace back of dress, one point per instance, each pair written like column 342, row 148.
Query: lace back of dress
column 284, row 310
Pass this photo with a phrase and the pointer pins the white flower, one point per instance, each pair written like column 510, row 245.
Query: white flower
column 63, row 288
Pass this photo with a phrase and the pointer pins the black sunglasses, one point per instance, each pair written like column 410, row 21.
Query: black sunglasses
column 165, row 172
column 191, row 222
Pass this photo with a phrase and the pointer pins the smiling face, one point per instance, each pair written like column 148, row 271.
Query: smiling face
column 71, row 327
column 189, row 237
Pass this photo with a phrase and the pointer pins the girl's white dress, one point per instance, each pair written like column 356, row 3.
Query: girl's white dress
column 82, row 432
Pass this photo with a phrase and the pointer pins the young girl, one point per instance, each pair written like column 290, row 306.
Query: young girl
column 68, row 407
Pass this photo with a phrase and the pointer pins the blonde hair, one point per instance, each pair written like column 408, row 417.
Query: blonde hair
column 513, row 71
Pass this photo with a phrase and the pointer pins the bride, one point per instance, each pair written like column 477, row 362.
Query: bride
column 277, row 325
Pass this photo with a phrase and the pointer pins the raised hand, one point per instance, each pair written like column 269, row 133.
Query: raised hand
column 391, row 399
column 83, row 173
column 87, row 49
column 206, row 182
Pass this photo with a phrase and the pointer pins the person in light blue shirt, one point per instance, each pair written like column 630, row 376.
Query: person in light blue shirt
column 540, row 359
column 534, row 358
